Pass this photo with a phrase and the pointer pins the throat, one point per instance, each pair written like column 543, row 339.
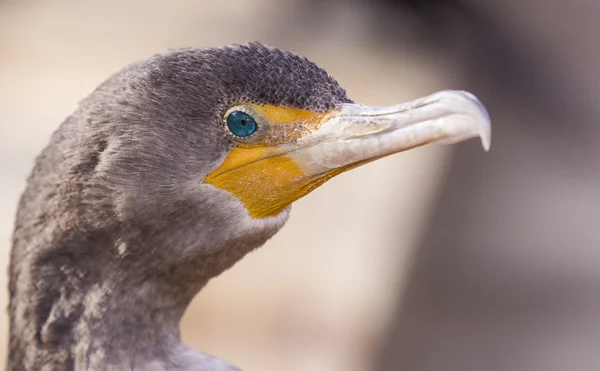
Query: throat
column 110, row 295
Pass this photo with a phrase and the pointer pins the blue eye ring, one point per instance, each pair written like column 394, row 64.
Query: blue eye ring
column 241, row 124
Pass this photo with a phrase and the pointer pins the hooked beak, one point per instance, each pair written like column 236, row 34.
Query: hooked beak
column 357, row 134
column 268, row 177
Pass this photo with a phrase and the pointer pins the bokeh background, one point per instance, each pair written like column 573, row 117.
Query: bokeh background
column 438, row 259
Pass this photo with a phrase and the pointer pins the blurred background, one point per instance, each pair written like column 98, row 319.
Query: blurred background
column 438, row 259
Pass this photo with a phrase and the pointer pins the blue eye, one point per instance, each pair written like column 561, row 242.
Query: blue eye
column 241, row 124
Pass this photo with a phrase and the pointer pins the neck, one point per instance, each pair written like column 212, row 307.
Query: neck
column 135, row 328
column 124, row 326
column 88, row 312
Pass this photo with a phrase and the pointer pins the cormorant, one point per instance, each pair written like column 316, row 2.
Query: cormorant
column 166, row 175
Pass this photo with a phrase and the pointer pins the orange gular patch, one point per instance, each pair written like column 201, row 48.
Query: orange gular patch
column 260, row 174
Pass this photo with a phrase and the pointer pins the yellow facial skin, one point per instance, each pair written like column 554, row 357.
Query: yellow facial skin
column 258, row 172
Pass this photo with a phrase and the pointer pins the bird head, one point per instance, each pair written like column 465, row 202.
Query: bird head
column 218, row 143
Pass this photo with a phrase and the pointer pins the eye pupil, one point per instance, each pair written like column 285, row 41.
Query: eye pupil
column 241, row 124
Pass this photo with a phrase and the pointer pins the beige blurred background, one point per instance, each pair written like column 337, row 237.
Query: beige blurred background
column 442, row 258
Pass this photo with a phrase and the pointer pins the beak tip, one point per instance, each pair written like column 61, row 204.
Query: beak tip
column 485, row 131
column 486, row 144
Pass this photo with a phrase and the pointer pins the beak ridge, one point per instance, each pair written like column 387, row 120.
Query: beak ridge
column 357, row 133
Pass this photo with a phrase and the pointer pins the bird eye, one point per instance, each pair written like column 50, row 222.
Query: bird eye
column 241, row 124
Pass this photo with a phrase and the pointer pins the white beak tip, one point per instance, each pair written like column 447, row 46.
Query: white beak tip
column 483, row 119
